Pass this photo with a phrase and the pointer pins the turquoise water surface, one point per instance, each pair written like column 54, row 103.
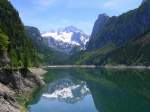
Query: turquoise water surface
column 93, row 90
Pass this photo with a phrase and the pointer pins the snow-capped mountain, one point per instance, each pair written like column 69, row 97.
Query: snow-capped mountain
column 66, row 90
column 66, row 39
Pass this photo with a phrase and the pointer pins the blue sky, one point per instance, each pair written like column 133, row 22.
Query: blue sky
column 53, row 14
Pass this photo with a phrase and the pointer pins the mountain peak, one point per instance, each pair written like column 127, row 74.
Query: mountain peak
column 99, row 24
column 145, row 2
column 102, row 15
column 69, row 29
column 68, row 37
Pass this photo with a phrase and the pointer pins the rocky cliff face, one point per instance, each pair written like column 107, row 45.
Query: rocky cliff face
column 99, row 24
column 13, row 83
column 7, row 100
column 8, row 105
column 33, row 32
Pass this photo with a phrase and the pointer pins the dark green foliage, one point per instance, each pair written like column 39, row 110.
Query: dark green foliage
column 95, row 57
column 3, row 41
column 135, row 52
column 20, row 49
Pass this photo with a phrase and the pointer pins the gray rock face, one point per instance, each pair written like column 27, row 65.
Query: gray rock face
column 12, row 82
column 144, row 1
column 99, row 24
column 7, row 102
column 6, row 106
column 4, row 59
column 34, row 34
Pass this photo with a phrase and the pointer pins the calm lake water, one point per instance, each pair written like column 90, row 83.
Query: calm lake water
column 93, row 90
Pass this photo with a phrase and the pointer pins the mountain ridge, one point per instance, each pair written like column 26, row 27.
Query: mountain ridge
column 117, row 42
column 66, row 38
column 120, row 29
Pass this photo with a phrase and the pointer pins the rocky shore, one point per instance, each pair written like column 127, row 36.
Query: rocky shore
column 15, row 84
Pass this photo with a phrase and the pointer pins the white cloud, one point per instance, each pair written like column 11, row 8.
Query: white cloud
column 115, row 4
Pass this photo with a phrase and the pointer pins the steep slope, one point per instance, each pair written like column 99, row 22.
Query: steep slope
column 135, row 52
column 16, row 55
column 66, row 39
column 46, row 54
column 38, row 42
column 99, row 24
column 119, row 30
column 96, row 57
column 17, row 46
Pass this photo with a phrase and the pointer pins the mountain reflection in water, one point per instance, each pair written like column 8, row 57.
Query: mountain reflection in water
column 66, row 90
column 94, row 90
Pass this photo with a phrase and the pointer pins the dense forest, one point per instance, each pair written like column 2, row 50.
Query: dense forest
column 16, row 49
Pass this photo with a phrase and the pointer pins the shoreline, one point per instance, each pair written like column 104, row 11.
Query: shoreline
column 39, row 72
column 70, row 66
column 99, row 66
column 13, row 97
column 126, row 67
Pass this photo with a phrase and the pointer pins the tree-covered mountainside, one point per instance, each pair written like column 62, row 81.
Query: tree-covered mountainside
column 13, row 41
column 93, row 57
column 129, row 35
column 119, row 30
column 16, row 55
column 135, row 52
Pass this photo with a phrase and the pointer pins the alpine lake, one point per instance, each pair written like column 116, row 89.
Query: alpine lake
column 93, row 90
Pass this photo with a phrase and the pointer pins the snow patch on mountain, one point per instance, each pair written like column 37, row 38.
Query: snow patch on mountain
column 66, row 38
column 60, row 36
